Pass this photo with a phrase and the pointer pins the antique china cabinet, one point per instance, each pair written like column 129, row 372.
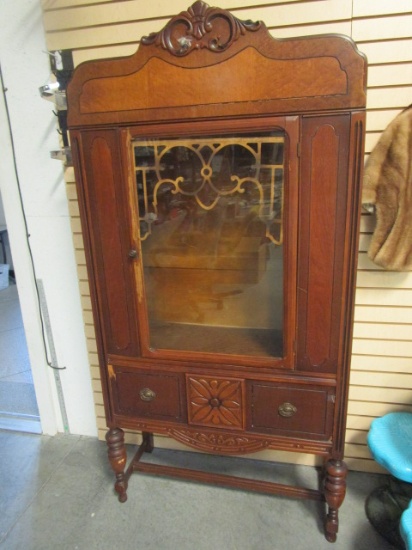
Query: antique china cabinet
column 218, row 175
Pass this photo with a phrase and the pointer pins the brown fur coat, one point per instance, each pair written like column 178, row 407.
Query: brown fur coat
column 387, row 184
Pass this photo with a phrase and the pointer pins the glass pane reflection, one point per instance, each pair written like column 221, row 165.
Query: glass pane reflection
column 211, row 225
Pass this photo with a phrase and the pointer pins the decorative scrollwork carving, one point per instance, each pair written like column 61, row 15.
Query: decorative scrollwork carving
column 200, row 27
column 221, row 443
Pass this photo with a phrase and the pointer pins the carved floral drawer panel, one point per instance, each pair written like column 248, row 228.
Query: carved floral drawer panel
column 216, row 402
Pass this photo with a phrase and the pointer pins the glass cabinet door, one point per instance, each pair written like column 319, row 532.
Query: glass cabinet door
column 211, row 217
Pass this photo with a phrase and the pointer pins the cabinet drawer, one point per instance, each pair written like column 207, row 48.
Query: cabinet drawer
column 290, row 410
column 155, row 395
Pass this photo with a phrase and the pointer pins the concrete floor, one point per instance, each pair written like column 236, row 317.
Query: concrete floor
column 18, row 406
column 57, row 493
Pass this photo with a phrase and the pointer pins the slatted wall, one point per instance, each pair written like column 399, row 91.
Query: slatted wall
column 381, row 378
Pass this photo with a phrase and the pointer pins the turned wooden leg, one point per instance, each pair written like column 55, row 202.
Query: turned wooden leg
column 335, row 490
column 117, row 457
column 148, row 440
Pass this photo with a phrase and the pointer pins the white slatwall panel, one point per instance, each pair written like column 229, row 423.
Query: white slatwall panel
column 381, row 377
column 67, row 16
column 368, row 8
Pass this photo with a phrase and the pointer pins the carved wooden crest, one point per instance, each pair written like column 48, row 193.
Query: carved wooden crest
column 200, row 27
column 294, row 75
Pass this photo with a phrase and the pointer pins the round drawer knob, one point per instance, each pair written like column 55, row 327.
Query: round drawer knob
column 146, row 394
column 287, row 410
column 132, row 253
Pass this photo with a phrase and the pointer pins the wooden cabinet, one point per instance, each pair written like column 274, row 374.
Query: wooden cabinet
column 218, row 176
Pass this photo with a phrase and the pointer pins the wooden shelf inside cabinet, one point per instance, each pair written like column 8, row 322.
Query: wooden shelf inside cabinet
column 220, row 221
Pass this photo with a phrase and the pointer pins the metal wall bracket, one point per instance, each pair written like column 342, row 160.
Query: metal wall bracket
column 64, row 154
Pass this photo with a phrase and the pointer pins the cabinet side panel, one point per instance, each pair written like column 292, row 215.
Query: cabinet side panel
column 82, row 194
column 325, row 145
column 108, row 229
column 323, row 203
column 103, row 169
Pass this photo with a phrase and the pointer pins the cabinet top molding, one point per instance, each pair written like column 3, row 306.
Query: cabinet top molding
column 195, row 28
column 235, row 69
